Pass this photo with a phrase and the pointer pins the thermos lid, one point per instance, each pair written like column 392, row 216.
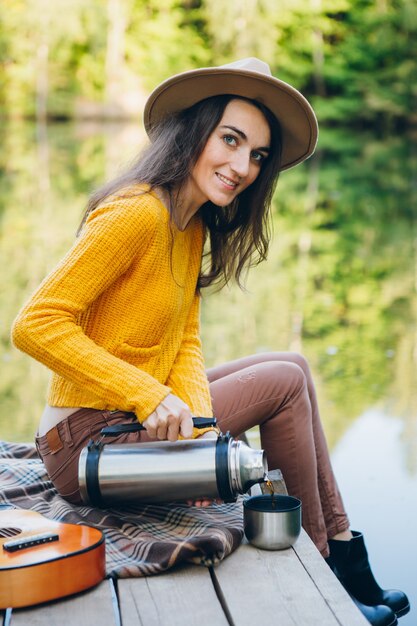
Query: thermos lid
column 222, row 468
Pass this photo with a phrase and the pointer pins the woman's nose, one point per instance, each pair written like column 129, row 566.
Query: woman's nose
column 240, row 163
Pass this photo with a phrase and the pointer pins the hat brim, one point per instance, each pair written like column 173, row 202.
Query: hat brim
column 294, row 113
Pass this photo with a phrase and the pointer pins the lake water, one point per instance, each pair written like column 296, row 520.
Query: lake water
column 340, row 286
column 380, row 494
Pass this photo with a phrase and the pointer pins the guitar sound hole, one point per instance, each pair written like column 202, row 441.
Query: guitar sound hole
column 9, row 532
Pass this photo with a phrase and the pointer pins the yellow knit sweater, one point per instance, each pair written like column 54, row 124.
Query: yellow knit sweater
column 118, row 320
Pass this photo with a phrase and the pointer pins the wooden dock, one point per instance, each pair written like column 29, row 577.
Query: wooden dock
column 293, row 587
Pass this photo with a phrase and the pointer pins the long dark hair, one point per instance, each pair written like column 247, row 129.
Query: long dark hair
column 237, row 235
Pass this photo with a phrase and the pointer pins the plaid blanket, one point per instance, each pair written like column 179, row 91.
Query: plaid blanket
column 140, row 540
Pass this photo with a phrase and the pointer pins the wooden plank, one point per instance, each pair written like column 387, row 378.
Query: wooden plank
column 185, row 596
column 272, row 587
column 85, row 609
column 330, row 588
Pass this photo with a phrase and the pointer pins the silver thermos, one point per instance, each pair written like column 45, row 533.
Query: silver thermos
column 165, row 471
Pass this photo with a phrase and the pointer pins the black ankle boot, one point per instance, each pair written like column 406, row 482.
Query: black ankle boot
column 379, row 615
column 349, row 561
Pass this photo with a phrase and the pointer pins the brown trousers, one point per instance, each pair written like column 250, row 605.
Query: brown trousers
column 274, row 391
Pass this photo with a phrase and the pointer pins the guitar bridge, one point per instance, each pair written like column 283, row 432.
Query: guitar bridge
column 28, row 542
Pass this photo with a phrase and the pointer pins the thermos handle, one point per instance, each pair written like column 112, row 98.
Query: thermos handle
column 119, row 429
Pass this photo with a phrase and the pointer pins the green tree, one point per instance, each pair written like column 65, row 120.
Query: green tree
column 372, row 74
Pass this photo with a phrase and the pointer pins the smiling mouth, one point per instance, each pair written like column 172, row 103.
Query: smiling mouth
column 227, row 181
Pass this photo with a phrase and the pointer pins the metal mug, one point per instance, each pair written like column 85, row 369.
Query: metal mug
column 272, row 522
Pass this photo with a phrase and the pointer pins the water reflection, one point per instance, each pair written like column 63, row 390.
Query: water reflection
column 340, row 283
column 380, row 493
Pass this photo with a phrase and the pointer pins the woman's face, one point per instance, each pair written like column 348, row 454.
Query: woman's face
column 233, row 155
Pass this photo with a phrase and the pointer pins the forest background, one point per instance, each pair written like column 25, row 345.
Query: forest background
column 342, row 279
column 340, row 282
column 355, row 59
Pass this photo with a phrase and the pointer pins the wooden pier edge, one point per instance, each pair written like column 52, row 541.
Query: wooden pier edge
column 293, row 587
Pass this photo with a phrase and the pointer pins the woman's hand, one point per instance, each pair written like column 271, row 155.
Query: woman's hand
column 171, row 418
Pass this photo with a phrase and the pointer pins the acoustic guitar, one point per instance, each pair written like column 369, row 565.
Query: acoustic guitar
column 41, row 560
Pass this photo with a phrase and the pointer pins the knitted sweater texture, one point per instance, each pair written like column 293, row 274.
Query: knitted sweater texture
column 117, row 321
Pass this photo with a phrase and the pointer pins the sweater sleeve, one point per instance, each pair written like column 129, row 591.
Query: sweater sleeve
column 188, row 375
column 47, row 327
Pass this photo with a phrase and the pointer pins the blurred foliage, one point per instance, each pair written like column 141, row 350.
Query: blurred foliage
column 340, row 283
column 355, row 59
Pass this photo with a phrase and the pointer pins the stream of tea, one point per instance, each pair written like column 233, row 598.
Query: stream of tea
column 270, row 487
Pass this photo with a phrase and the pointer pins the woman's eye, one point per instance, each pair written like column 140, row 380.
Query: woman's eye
column 230, row 140
column 257, row 156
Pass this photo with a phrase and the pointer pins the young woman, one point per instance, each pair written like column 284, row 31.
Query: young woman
column 117, row 321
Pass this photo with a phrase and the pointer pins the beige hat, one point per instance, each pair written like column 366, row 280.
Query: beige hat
column 250, row 78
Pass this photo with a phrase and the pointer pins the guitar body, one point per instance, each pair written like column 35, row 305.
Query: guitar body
column 68, row 558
